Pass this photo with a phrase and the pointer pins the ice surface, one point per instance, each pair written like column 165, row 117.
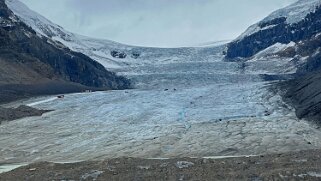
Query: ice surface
column 7, row 168
column 214, row 120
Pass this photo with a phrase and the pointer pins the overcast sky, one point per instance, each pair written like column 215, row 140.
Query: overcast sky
column 162, row 23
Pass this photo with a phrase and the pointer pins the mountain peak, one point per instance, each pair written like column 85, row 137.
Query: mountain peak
column 292, row 14
column 295, row 12
column 295, row 22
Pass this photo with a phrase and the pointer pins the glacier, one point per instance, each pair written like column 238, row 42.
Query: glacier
column 186, row 102
column 199, row 121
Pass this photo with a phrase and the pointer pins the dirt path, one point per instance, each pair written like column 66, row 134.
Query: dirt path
column 304, row 165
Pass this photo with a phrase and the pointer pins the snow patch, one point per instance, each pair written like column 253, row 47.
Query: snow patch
column 93, row 175
column 184, row 164
column 315, row 174
column 272, row 50
column 42, row 101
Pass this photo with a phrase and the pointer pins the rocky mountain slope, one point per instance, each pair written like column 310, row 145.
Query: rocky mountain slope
column 30, row 64
column 296, row 22
column 304, row 91
column 291, row 34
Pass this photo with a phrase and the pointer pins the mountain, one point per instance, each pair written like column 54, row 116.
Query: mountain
column 294, row 23
column 33, row 65
column 293, row 35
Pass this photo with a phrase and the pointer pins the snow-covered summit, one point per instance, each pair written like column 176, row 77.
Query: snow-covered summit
column 36, row 21
column 293, row 14
column 46, row 28
column 297, row 22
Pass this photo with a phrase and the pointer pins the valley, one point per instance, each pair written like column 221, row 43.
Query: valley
column 219, row 100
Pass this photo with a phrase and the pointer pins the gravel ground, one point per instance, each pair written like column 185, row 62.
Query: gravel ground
column 304, row 165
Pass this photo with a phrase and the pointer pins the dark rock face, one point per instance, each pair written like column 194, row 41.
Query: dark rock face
column 304, row 94
column 135, row 55
column 26, row 58
column 121, row 54
column 278, row 31
column 117, row 54
column 311, row 49
column 4, row 11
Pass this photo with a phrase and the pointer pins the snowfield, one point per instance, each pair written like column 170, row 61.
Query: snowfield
column 187, row 102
